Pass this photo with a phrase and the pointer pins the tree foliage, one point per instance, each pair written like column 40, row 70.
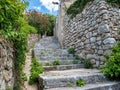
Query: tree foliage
column 44, row 23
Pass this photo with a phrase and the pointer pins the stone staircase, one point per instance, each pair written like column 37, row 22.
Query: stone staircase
column 48, row 52
column 65, row 73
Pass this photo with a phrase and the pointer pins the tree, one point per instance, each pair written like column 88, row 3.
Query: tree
column 44, row 23
column 51, row 19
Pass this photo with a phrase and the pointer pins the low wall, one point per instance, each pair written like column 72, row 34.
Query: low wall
column 33, row 38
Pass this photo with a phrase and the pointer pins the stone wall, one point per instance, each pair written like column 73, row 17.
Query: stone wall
column 93, row 32
column 58, row 32
column 6, row 65
column 33, row 38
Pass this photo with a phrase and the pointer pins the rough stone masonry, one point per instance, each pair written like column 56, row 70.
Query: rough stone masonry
column 6, row 65
column 93, row 32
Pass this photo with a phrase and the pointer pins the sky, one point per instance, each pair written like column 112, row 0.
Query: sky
column 44, row 6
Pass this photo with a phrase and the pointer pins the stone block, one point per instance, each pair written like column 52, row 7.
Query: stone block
column 103, row 29
column 109, row 41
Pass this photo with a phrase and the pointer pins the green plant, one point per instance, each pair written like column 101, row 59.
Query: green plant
column 8, row 88
column 80, row 82
column 77, row 7
column 114, row 2
column 42, row 52
column 87, row 63
column 71, row 51
column 112, row 67
column 56, row 62
column 36, row 69
column 75, row 62
column 77, row 57
column 47, row 64
column 17, row 86
column 24, row 77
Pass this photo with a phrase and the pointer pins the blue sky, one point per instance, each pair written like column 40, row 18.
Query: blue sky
column 44, row 6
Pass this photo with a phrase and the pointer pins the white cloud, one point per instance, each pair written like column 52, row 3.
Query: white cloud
column 38, row 8
column 48, row 4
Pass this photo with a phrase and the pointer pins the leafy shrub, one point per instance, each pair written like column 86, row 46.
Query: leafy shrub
column 87, row 64
column 36, row 69
column 80, row 82
column 56, row 62
column 112, row 67
column 71, row 51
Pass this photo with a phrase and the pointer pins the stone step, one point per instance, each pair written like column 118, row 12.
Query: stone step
column 55, row 79
column 63, row 67
column 55, row 58
column 96, row 86
column 51, row 51
column 62, row 62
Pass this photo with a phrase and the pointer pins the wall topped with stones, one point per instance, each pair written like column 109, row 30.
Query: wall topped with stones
column 33, row 38
column 6, row 65
column 93, row 32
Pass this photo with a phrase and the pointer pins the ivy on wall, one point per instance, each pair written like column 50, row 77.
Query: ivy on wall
column 78, row 6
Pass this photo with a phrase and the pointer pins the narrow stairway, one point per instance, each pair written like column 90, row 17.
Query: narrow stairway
column 61, row 73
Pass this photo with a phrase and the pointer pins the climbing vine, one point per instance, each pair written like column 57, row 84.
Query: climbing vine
column 14, row 28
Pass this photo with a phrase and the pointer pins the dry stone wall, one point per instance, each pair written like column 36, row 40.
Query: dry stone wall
column 6, row 65
column 94, row 31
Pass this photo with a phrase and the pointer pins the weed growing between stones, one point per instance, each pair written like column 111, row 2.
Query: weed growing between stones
column 8, row 88
column 41, row 52
column 71, row 51
column 80, row 82
column 56, row 62
column 48, row 64
column 36, row 69
column 75, row 62
column 87, row 63
column 24, row 77
column 77, row 57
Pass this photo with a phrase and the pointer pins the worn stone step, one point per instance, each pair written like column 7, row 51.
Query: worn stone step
column 55, row 79
column 51, row 51
column 62, row 62
column 63, row 67
column 96, row 86
column 54, row 58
